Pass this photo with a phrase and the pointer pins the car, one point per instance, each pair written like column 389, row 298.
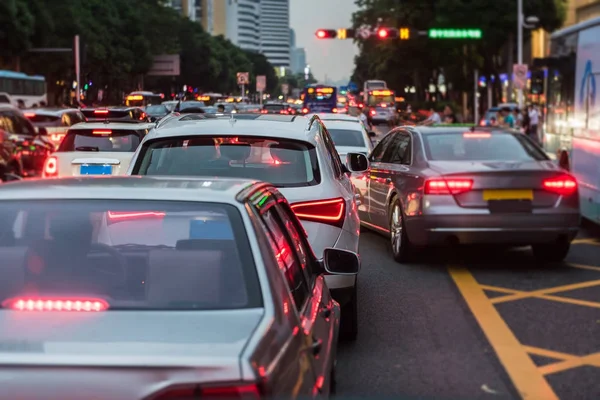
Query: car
column 275, row 108
column 156, row 112
column 346, row 118
column 383, row 114
column 94, row 148
column 116, row 114
column 294, row 153
column 439, row 185
column 158, row 288
column 54, row 122
column 23, row 150
column 350, row 137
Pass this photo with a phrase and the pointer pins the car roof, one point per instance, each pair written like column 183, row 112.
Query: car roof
column 200, row 189
column 50, row 111
column 428, row 130
column 113, row 125
column 275, row 126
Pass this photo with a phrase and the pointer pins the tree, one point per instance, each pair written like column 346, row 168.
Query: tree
column 262, row 66
column 16, row 30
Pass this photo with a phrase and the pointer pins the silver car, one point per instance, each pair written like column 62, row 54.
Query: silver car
column 294, row 153
column 150, row 288
column 430, row 186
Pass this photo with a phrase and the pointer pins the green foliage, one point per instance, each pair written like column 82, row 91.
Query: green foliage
column 119, row 40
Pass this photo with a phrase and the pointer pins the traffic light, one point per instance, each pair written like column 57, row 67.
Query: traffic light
column 454, row 34
column 326, row 34
column 345, row 33
column 387, row 33
column 404, row 33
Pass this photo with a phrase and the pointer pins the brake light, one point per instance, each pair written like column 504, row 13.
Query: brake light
column 100, row 111
column 118, row 216
column 478, row 135
column 51, row 166
column 563, row 185
column 101, row 132
column 448, row 186
column 29, row 115
column 373, row 112
column 48, row 304
column 325, row 211
column 263, row 111
column 245, row 392
column 482, row 123
column 335, row 110
column 305, row 110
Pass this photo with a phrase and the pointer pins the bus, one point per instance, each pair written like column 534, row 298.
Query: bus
column 143, row 99
column 374, row 84
column 319, row 99
column 23, row 90
column 571, row 127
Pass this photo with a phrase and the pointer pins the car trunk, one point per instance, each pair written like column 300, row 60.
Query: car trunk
column 509, row 186
column 93, row 163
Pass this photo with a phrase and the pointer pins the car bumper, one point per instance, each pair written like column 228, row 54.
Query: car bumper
column 515, row 229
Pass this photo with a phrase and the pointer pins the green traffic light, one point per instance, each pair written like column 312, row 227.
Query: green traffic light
column 454, row 34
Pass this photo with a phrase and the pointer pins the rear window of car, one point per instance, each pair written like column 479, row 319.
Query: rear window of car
column 142, row 255
column 114, row 140
column 282, row 162
column 346, row 137
column 273, row 107
column 157, row 110
column 107, row 114
column 42, row 119
column 481, row 146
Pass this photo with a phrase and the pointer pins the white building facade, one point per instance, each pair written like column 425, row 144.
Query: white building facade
column 275, row 31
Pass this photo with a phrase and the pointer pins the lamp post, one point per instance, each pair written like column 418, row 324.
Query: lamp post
column 532, row 22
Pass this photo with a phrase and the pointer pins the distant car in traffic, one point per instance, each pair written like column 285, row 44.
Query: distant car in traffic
column 275, row 108
column 157, row 288
column 438, row 185
column 156, row 112
column 294, row 153
column 350, row 137
column 115, row 114
column 96, row 149
column 54, row 122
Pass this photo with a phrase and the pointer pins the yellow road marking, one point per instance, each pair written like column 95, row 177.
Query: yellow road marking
column 581, row 266
column 518, row 295
column 549, row 353
column 586, row 241
column 522, row 371
column 592, row 360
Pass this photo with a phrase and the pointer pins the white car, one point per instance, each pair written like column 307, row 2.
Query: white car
column 96, row 148
column 346, row 118
column 294, row 153
column 350, row 137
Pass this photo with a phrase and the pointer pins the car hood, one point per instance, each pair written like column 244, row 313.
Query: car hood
column 457, row 167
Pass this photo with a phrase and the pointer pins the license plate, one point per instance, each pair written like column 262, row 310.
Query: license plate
column 86, row 169
column 507, row 195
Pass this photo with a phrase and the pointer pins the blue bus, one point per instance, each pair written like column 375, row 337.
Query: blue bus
column 16, row 87
column 319, row 99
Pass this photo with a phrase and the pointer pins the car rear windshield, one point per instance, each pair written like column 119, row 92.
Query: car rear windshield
column 107, row 114
column 273, row 107
column 102, row 140
column 157, row 110
column 481, row 146
column 143, row 255
column 346, row 137
column 282, row 162
column 42, row 119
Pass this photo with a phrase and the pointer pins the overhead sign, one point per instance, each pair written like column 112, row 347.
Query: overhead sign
column 261, row 83
column 165, row 65
column 520, row 76
column 285, row 88
column 243, row 78
column 454, row 34
column 381, row 92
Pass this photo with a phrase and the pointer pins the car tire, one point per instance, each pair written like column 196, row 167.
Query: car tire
column 402, row 249
column 349, row 317
column 554, row 252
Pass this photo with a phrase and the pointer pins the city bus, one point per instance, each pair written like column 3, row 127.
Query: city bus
column 319, row 99
column 572, row 118
column 143, row 99
column 23, row 90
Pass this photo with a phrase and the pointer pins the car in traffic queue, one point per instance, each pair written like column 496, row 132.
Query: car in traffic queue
column 23, row 150
column 277, row 108
column 54, row 122
column 156, row 112
column 94, row 148
column 115, row 114
column 163, row 289
column 294, row 153
column 345, row 117
column 350, row 137
column 438, row 185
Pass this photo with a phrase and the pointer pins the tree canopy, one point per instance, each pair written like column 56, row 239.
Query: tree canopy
column 119, row 40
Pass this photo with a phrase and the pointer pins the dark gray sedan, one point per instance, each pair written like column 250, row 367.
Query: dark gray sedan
column 438, row 185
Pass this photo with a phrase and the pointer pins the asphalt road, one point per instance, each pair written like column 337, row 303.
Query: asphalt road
column 475, row 324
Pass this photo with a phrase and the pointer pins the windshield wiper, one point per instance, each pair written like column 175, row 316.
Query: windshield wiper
column 87, row 148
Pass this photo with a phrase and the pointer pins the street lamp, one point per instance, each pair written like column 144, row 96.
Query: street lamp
column 529, row 23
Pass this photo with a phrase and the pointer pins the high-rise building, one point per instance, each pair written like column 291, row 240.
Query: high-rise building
column 243, row 23
column 275, row 31
column 292, row 38
column 187, row 8
column 298, row 60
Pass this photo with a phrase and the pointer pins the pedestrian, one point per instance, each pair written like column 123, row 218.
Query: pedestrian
column 534, row 120
column 508, row 121
column 525, row 121
column 433, row 119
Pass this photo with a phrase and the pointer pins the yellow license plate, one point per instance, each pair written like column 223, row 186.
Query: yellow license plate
column 507, row 195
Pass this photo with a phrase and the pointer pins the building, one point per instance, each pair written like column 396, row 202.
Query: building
column 187, row 8
column 275, row 32
column 298, row 60
column 292, row 38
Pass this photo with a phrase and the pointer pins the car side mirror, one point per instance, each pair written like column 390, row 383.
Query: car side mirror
column 372, row 134
column 357, row 162
column 41, row 131
column 340, row 262
column 8, row 177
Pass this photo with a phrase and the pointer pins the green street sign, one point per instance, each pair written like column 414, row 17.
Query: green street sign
column 454, row 34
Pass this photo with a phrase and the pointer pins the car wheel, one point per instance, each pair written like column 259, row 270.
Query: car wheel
column 402, row 249
column 349, row 317
column 554, row 252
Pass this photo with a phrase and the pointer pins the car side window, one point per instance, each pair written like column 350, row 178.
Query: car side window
column 76, row 118
column 399, row 150
column 333, row 154
column 286, row 258
column 379, row 150
column 22, row 125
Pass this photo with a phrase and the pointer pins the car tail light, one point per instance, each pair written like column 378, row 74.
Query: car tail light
column 51, row 166
column 103, row 112
column 482, row 123
column 373, row 112
column 29, row 115
column 448, row 186
column 239, row 392
column 263, row 111
column 54, row 304
column 305, row 111
column 335, row 110
column 477, row 135
column 563, row 185
column 325, row 211
column 119, row 216
column 101, row 132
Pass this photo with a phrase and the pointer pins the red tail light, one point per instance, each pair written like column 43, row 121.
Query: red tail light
column 305, row 111
column 335, row 110
column 325, row 211
column 241, row 392
column 563, row 185
column 482, row 123
column 119, row 216
column 101, row 132
column 46, row 304
column 373, row 112
column 101, row 112
column 29, row 115
column 448, row 186
column 263, row 111
column 477, row 135
column 51, row 167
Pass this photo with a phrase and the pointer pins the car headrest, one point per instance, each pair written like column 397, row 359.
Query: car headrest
column 76, row 227
column 283, row 154
column 238, row 152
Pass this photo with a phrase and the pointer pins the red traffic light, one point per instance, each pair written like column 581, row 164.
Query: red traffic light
column 326, row 34
column 382, row 33
column 387, row 33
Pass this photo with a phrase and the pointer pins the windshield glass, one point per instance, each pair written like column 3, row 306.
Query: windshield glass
column 481, row 146
column 284, row 163
column 131, row 254
column 346, row 137
column 273, row 107
column 102, row 140
column 157, row 110
column 43, row 119
column 191, row 104
column 320, row 94
column 376, row 100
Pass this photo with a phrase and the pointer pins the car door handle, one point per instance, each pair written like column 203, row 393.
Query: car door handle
column 316, row 346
